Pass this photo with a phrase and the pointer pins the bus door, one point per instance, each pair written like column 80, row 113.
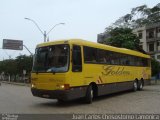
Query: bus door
column 76, row 77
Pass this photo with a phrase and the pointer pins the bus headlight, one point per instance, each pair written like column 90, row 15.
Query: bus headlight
column 32, row 85
column 60, row 86
column 65, row 86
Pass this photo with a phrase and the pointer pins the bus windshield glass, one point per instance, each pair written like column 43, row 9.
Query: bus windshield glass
column 51, row 59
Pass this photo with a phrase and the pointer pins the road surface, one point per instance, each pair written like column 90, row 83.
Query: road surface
column 18, row 99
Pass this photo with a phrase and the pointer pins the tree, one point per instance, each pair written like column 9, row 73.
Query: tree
column 124, row 38
column 12, row 67
column 139, row 16
column 24, row 63
column 121, row 30
column 155, row 67
column 8, row 66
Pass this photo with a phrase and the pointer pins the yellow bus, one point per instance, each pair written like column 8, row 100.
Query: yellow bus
column 70, row 69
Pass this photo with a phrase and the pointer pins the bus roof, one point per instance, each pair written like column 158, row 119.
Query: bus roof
column 95, row 45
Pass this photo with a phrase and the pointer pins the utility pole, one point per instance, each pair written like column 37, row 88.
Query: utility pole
column 45, row 34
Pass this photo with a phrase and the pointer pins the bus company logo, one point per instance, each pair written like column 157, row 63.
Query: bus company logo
column 112, row 70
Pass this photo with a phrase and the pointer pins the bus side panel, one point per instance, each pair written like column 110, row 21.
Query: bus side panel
column 114, row 78
column 114, row 87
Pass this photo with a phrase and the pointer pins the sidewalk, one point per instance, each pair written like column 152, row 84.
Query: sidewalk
column 155, row 82
column 16, row 83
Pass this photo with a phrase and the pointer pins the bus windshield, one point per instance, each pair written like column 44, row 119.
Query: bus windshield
column 53, row 58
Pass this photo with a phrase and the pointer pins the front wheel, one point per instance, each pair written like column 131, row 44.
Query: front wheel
column 140, row 85
column 89, row 95
column 60, row 101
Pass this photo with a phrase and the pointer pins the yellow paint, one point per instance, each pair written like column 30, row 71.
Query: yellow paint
column 97, row 73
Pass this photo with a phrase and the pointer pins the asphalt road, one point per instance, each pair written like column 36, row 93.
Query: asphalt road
column 18, row 99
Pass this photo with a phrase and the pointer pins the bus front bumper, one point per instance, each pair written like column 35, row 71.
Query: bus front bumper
column 70, row 94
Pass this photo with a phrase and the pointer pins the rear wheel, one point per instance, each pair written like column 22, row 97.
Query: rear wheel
column 89, row 95
column 135, row 85
column 140, row 85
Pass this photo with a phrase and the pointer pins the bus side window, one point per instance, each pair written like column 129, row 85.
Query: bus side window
column 76, row 59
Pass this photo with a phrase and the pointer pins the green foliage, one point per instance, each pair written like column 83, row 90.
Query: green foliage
column 123, row 37
column 17, row 65
column 8, row 66
column 139, row 16
column 155, row 67
column 24, row 63
column 121, row 30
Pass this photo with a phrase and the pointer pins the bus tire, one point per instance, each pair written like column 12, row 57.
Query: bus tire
column 135, row 85
column 140, row 85
column 89, row 95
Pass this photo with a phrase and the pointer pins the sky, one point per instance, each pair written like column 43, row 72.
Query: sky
column 83, row 19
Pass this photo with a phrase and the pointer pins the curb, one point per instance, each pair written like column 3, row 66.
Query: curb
column 14, row 83
column 155, row 82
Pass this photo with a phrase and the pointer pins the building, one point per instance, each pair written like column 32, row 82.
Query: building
column 150, row 39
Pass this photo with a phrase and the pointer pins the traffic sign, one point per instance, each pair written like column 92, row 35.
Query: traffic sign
column 12, row 44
